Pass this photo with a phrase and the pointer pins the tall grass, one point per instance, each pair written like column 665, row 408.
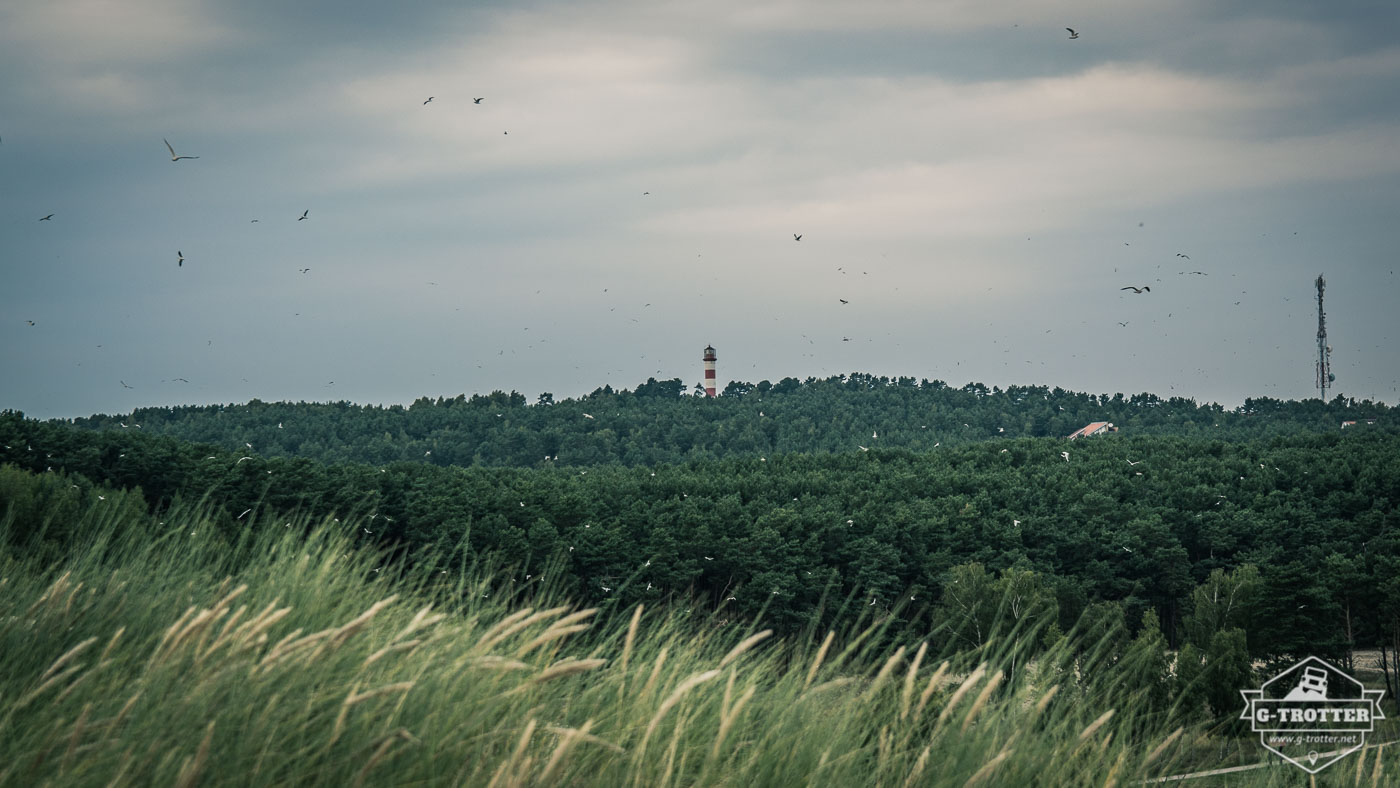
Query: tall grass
column 165, row 653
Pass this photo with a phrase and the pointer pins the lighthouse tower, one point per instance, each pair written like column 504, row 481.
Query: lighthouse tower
column 709, row 371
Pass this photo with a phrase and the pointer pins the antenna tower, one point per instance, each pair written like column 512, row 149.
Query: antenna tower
column 1324, row 351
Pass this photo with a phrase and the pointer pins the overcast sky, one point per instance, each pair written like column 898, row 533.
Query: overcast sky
column 977, row 186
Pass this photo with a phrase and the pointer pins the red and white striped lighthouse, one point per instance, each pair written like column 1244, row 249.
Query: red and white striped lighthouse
column 709, row 371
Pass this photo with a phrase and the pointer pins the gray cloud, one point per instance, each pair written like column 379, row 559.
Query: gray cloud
column 977, row 186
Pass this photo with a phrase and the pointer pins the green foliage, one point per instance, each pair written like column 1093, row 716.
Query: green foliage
column 1227, row 600
column 1303, row 545
column 657, row 423
column 1228, row 669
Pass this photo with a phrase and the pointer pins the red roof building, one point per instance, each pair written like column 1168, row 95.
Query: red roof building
column 1096, row 428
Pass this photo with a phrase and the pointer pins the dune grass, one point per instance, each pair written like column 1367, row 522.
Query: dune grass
column 163, row 652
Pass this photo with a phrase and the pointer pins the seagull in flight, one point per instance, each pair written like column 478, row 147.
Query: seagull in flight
column 123, row 382
column 430, row 98
column 173, row 157
column 304, row 213
column 1143, row 289
column 180, row 259
column 1130, row 462
column 30, row 322
column 796, row 237
column 1122, row 323
column 1072, row 34
column 1186, row 256
column 1065, row 454
column 477, row 100
column 842, row 300
column 588, row 415
column 47, row 218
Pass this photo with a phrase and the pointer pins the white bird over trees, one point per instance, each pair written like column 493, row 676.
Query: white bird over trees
column 1130, row 462
column 1065, row 454
column 173, row 157
column 588, row 415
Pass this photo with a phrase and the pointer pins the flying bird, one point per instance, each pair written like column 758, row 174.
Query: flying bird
column 796, row 237
column 1186, row 256
column 430, row 98
column 477, row 100
column 1065, row 454
column 842, row 300
column 1143, row 289
column 179, row 259
column 304, row 270
column 1123, row 323
column 30, row 322
column 47, row 218
column 173, row 157
column 304, row 213
column 588, row 415
column 1072, row 34
column 123, row 382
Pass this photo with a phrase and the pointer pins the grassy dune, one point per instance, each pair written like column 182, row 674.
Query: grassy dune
column 162, row 653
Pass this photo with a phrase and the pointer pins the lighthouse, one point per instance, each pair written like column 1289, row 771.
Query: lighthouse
column 709, row 371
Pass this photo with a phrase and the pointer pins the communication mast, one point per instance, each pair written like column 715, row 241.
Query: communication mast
column 1324, row 351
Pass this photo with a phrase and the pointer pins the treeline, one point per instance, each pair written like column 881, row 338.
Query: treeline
column 1138, row 522
column 662, row 422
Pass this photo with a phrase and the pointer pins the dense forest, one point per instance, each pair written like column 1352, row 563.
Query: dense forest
column 1296, row 518
column 661, row 422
